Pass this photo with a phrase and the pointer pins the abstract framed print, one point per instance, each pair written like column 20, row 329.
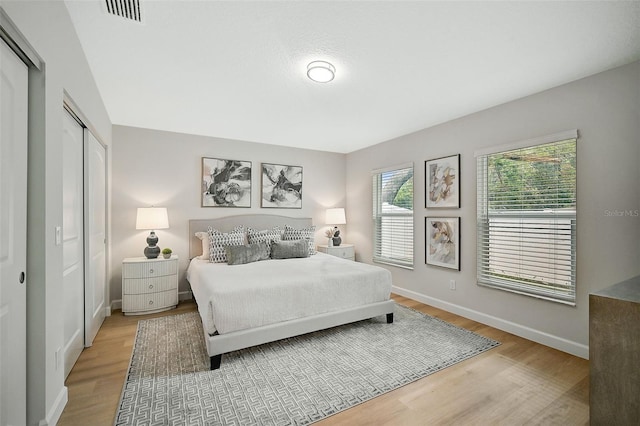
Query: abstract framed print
column 442, row 182
column 442, row 240
column 225, row 183
column 281, row 186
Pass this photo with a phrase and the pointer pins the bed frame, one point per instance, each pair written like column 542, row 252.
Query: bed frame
column 219, row 344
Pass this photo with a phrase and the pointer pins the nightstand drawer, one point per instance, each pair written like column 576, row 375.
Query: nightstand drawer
column 149, row 302
column 149, row 269
column 149, row 285
column 343, row 252
column 346, row 251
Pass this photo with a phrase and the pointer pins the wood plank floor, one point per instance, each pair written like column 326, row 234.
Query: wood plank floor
column 517, row 383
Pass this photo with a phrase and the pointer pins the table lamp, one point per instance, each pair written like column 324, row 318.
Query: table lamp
column 336, row 217
column 152, row 218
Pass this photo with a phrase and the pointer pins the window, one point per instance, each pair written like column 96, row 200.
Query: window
column 393, row 216
column 526, row 217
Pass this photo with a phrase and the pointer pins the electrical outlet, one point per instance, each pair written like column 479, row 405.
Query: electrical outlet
column 452, row 284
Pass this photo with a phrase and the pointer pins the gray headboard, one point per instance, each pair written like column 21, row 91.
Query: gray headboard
column 227, row 223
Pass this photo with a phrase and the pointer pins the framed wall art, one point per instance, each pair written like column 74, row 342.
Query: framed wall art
column 281, row 186
column 442, row 238
column 442, row 182
column 225, row 183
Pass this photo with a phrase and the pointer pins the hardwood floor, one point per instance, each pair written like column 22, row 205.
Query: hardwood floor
column 517, row 383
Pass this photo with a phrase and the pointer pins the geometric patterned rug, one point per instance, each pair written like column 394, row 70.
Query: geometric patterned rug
column 294, row 381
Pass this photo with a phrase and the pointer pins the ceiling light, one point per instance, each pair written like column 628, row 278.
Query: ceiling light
column 321, row 71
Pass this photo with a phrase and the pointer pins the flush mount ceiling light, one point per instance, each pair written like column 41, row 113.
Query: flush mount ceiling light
column 321, row 71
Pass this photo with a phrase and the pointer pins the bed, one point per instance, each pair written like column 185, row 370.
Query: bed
column 259, row 302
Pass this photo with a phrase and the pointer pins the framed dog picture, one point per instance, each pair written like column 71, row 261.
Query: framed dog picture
column 442, row 239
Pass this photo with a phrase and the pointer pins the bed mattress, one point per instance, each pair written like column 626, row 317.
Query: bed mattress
column 238, row 297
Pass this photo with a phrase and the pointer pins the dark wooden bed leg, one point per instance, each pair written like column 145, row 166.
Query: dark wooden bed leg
column 216, row 360
column 390, row 318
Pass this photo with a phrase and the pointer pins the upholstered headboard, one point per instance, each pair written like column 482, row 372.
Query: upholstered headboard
column 227, row 223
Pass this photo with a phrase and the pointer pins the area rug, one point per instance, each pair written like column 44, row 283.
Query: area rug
column 295, row 381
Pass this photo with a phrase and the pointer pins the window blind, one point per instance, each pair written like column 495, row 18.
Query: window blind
column 393, row 215
column 526, row 218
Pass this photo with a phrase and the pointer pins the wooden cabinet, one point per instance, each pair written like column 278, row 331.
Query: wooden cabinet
column 614, row 354
column 345, row 251
column 149, row 285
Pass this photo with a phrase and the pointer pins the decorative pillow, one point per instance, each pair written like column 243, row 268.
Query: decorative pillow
column 219, row 240
column 239, row 255
column 289, row 249
column 204, row 237
column 292, row 234
column 266, row 235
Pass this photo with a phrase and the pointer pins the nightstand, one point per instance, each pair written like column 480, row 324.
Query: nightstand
column 345, row 251
column 149, row 285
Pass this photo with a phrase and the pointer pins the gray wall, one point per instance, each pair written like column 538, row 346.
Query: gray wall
column 605, row 108
column 152, row 167
column 47, row 28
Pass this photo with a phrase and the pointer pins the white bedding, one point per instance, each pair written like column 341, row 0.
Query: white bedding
column 238, row 297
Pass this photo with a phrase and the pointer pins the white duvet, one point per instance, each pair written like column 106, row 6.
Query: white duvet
column 238, row 297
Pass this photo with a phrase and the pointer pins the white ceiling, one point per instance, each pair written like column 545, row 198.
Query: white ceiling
column 237, row 69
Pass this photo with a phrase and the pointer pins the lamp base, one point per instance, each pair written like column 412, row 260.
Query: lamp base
column 336, row 237
column 152, row 251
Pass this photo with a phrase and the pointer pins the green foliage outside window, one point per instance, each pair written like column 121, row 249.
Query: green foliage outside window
column 404, row 196
column 540, row 177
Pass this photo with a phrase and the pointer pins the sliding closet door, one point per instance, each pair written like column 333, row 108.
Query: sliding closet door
column 73, row 240
column 13, row 237
column 96, row 234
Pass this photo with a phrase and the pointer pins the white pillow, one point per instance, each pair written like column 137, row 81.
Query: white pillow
column 204, row 237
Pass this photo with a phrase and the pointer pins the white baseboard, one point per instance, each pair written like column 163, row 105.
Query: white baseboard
column 537, row 336
column 56, row 410
column 117, row 304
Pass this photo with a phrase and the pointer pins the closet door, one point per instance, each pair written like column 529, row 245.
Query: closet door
column 13, row 237
column 96, row 234
column 73, row 240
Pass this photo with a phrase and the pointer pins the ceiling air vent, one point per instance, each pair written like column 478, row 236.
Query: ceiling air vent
column 128, row 9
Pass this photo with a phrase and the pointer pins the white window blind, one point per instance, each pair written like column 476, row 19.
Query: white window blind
column 526, row 218
column 393, row 216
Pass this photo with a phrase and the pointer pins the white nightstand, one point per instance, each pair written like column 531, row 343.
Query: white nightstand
column 345, row 251
column 149, row 285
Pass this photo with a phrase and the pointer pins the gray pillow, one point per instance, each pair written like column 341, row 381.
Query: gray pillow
column 289, row 249
column 239, row 255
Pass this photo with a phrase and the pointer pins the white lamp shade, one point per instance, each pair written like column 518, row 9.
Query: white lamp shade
column 336, row 217
column 152, row 218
